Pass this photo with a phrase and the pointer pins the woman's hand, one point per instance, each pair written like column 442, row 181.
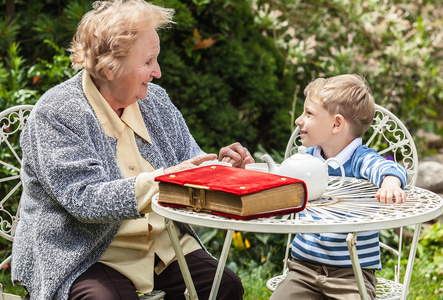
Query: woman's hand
column 235, row 154
column 191, row 163
column 391, row 191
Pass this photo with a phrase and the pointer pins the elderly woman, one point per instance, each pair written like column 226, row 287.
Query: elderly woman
column 92, row 147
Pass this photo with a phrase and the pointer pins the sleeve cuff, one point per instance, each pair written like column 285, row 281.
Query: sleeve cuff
column 394, row 172
column 145, row 189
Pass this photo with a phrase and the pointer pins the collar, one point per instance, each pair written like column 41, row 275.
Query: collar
column 111, row 123
column 343, row 156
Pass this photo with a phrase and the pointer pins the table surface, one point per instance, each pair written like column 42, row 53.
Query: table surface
column 350, row 208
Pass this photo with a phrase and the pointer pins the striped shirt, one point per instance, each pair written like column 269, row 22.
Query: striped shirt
column 330, row 248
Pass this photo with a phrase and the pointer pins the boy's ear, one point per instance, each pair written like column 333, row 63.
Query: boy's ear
column 339, row 123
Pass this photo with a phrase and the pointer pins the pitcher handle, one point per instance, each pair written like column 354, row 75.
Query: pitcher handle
column 336, row 185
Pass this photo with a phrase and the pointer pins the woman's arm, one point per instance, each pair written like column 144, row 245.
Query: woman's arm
column 69, row 160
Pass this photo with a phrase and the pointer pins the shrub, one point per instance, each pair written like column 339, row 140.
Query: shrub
column 396, row 45
column 225, row 76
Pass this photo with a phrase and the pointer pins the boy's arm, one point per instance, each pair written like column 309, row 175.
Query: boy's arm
column 390, row 191
column 390, row 176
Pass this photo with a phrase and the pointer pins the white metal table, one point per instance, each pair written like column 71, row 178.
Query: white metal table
column 351, row 208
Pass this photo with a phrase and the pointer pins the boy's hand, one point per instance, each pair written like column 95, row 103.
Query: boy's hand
column 391, row 190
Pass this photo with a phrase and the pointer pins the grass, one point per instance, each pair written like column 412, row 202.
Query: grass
column 254, row 282
column 423, row 285
column 427, row 275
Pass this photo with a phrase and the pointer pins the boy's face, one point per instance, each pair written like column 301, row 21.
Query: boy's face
column 316, row 124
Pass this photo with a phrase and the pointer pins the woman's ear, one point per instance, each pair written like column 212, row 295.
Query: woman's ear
column 339, row 123
column 109, row 74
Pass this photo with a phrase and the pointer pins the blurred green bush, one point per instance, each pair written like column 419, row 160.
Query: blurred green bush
column 237, row 69
column 397, row 45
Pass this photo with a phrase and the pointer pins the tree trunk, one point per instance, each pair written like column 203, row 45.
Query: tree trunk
column 10, row 10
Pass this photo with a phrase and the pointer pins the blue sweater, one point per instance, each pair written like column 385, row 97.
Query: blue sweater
column 330, row 248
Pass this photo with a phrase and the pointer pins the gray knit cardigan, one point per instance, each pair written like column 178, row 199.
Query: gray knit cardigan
column 74, row 195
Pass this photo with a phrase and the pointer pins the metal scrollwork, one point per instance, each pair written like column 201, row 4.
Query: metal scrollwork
column 12, row 122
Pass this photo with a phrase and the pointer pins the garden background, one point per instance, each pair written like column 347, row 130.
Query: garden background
column 237, row 70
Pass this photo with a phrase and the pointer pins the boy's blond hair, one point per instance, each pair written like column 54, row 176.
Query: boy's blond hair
column 348, row 95
column 107, row 33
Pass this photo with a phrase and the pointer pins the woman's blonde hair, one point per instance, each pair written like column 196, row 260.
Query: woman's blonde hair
column 106, row 34
column 348, row 95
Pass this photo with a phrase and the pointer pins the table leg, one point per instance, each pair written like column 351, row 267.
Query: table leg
column 221, row 264
column 411, row 258
column 351, row 240
column 190, row 292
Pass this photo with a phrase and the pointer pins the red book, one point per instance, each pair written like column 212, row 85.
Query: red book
column 232, row 192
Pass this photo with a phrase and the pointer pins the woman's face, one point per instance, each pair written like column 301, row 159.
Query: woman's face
column 142, row 67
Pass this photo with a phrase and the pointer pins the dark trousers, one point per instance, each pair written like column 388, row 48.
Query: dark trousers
column 101, row 282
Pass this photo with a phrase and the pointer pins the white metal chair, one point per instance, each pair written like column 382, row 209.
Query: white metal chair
column 12, row 122
column 390, row 138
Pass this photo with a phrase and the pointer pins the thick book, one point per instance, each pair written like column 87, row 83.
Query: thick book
column 232, row 192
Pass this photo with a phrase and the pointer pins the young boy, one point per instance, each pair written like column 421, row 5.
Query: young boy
column 336, row 114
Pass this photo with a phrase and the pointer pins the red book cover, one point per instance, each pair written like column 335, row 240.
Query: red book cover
column 232, row 192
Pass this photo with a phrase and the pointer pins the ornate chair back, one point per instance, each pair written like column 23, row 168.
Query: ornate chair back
column 12, row 122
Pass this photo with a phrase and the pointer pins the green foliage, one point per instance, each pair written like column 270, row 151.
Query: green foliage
column 46, row 74
column 14, row 80
column 8, row 30
column 5, row 279
column 46, row 20
column 277, row 156
column 238, row 74
column 254, row 277
column 427, row 275
column 22, row 84
column 224, row 75
column 430, row 252
column 395, row 45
